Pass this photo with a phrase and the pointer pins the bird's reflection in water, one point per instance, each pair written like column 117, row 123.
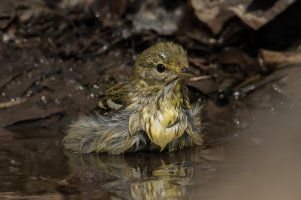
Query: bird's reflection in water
column 141, row 175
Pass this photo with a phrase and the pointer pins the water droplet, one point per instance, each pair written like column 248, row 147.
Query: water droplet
column 57, row 101
column 6, row 38
column 29, row 93
column 79, row 87
column 236, row 95
column 103, row 48
column 237, row 122
column 97, row 14
column 43, row 98
column 95, row 86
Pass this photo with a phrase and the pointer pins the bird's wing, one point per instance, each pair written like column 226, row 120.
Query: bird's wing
column 115, row 98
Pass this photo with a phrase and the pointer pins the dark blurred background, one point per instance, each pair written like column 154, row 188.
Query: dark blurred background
column 58, row 56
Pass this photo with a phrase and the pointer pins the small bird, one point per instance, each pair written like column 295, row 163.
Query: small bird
column 151, row 110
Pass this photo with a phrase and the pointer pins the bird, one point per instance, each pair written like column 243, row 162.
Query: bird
column 151, row 110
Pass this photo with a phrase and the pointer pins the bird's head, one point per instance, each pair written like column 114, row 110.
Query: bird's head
column 162, row 64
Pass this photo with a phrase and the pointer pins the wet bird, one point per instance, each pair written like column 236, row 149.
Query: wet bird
column 151, row 110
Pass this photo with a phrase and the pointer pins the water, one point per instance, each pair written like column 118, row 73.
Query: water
column 35, row 166
column 39, row 168
column 250, row 154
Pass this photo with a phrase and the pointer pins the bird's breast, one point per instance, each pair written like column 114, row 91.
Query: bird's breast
column 163, row 121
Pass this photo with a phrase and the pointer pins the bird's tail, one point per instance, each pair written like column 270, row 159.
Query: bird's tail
column 101, row 134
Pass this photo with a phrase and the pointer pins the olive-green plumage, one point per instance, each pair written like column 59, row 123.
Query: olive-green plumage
column 151, row 110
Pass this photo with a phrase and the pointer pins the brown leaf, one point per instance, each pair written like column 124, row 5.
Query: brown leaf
column 213, row 13
column 256, row 18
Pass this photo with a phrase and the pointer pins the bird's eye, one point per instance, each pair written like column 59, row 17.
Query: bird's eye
column 160, row 68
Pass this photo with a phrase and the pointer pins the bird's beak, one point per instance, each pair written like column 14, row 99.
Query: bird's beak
column 186, row 73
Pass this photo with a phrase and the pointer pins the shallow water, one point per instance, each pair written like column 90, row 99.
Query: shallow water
column 38, row 168
column 35, row 167
column 251, row 153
